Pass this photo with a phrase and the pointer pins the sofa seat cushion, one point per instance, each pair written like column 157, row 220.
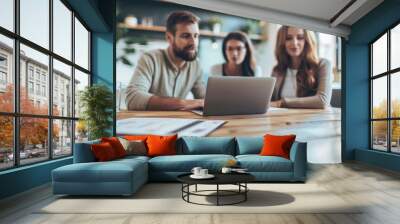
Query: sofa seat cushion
column 185, row 163
column 112, row 171
column 133, row 158
column 257, row 163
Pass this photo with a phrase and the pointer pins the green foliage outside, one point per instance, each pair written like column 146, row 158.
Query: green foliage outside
column 380, row 127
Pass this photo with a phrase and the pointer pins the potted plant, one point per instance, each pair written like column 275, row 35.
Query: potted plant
column 215, row 24
column 130, row 45
column 96, row 102
column 250, row 27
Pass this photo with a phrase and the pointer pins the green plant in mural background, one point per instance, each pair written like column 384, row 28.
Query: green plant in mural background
column 214, row 24
column 251, row 27
column 130, row 41
column 96, row 102
column 129, row 45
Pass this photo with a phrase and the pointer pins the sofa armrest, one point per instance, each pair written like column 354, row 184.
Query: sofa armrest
column 298, row 155
column 83, row 152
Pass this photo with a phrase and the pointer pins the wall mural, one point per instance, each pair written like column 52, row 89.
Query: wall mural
column 248, row 77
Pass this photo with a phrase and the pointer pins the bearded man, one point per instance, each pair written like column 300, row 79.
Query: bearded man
column 164, row 77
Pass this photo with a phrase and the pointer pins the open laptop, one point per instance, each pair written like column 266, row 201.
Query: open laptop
column 237, row 95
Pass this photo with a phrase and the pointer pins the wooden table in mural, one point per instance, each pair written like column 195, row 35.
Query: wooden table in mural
column 321, row 129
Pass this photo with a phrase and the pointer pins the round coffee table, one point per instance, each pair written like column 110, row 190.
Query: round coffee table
column 238, row 179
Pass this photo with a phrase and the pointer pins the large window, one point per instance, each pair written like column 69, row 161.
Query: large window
column 44, row 63
column 385, row 92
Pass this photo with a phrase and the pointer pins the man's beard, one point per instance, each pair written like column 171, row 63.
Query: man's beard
column 184, row 53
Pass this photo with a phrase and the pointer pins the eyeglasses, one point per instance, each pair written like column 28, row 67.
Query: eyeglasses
column 239, row 49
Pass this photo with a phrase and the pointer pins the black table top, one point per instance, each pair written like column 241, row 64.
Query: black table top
column 220, row 178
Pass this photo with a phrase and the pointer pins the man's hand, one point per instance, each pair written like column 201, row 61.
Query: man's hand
column 193, row 104
column 169, row 103
column 277, row 103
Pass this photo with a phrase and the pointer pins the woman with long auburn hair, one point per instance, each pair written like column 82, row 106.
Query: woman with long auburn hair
column 302, row 79
column 239, row 57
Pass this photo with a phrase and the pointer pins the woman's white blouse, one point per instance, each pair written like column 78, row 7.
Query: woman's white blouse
column 289, row 87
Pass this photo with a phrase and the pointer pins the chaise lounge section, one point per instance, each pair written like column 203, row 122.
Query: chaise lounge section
column 88, row 177
column 125, row 176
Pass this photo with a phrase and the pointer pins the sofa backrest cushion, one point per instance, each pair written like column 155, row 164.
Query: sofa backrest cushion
column 207, row 145
column 83, row 153
column 249, row 145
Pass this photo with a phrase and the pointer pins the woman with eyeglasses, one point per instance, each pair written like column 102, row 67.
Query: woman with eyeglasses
column 303, row 80
column 239, row 59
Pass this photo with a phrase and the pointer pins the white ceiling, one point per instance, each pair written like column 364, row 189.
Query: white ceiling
column 310, row 14
column 319, row 9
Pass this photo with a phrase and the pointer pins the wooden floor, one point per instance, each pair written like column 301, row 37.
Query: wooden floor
column 377, row 188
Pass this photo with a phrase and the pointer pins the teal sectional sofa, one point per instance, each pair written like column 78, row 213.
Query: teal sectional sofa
column 125, row 176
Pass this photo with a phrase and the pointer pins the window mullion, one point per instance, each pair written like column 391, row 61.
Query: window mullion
column 50, row 81
column 389, row 106
column 16, row 84
column 73, row 82
column 89, row 56
column 370, row 98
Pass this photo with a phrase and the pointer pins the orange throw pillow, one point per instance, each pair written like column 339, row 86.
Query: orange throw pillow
column 275, row 145
column 103, row 152
column 116, row 145
column 161, row 145
column 136, row 137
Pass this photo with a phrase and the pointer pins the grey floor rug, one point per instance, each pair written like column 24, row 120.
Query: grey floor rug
column 166, row 198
